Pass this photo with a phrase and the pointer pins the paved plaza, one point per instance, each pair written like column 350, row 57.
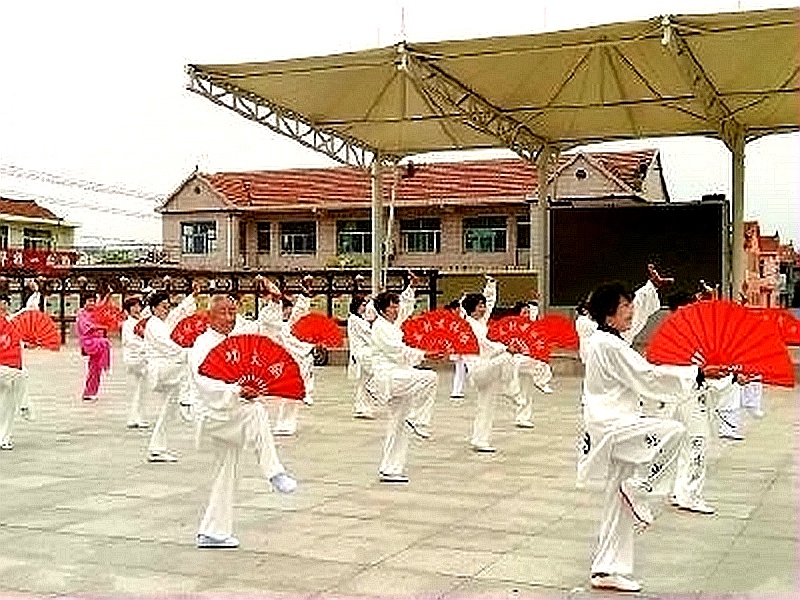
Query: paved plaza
column 81, row 512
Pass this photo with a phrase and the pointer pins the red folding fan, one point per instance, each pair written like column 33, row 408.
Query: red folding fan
column 521, row 332
column 189, row 329
column 138, row 329
column 721, row 333
column 37, row 329
column 440, row 330
column 318, row 329
column 109, row 315
column 787, row 323
column 559, row 330
column 10, row 345
column 257, row 361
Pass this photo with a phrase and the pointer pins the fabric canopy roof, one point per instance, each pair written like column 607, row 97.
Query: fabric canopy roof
column 730, row 75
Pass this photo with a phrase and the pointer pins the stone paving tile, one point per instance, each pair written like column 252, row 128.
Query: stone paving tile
column 85, row 514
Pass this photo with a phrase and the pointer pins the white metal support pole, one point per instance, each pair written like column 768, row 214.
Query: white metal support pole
column 541, row 260
column 738, row 265
column 377, row 225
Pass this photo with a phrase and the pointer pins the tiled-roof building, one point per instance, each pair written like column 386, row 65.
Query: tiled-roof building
column 772, row 268
column 26, row 225
column 442, row 215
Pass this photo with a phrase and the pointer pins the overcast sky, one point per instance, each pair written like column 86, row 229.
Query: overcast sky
column 96, row 91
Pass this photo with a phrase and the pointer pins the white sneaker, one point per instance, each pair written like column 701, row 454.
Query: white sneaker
column 138, row 425
column 698, row 506
column 615, row 582
column 283, row 483
column 545, row 388
column 758, row 413
column 161, row 457
column 7, row 444
column 387, row 478
column 637, row 504
column 482, row 448
column 282, row 432
column 524, row 424
column 214, row 541
column 363, row 415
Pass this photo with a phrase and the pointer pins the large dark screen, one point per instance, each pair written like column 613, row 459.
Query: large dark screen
column 590, row 246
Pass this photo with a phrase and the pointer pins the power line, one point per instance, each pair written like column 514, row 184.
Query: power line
column 83, row 205
column 85, row 184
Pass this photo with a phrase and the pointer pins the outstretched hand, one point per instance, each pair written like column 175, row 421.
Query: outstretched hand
column 413, row 279
column 656, row 278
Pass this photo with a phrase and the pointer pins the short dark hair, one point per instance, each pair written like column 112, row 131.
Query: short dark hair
column 384, row 300
column 131, row 302
column 356, row 302
column 471, row 301
column 157, row 298
column 605, row 300
column 286, row 302
column 86, row 297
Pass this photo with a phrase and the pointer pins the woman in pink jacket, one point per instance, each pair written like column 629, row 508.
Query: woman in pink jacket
column 93, row 339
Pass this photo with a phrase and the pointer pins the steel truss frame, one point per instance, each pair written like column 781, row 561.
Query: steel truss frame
column 446, row 96
column 340, row 148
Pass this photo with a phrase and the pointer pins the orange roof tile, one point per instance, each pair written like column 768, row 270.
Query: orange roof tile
column 25, row 208
column 481, row 181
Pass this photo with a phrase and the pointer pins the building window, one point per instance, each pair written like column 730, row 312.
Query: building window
column 199, row 237
column 354, row 237
column 37, row 239
column 299, row 237
column 3, row 237
column 485, row 234
column 523, row 232
column 263, row 237
column 421, row 235
column 581, row 174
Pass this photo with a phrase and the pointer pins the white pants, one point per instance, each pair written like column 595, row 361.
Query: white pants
column 459, row 379
column 531, row 374
column 137, row 384
column 286, row 416
column 752, row 393
column 363, row 403
column 690, row 476
column 614, row 552
column 248, row 427
column 171, row 383
column 407, row 385
column 496, row 377
column 13, row 393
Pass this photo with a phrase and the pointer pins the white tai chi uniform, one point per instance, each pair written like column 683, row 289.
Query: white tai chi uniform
column 396, row 383
column 133, row 355
column 13, row 395
column 729, row 411
column 534, row 377
column 166, row 367
column 271, row 324
column 230, row 425
column 621, row 443
column 359, row 367
column 752, row 395
column 695, row 414
column 459, row 377
column 492, row 372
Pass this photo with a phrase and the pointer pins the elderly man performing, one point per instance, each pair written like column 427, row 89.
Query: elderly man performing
column 13, row 389
column 166, row 365
column 231, row 418
column 396, row 382
column 632, row 454
column 493, row 371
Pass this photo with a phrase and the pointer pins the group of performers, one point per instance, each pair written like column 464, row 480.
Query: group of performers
column 645, row 427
